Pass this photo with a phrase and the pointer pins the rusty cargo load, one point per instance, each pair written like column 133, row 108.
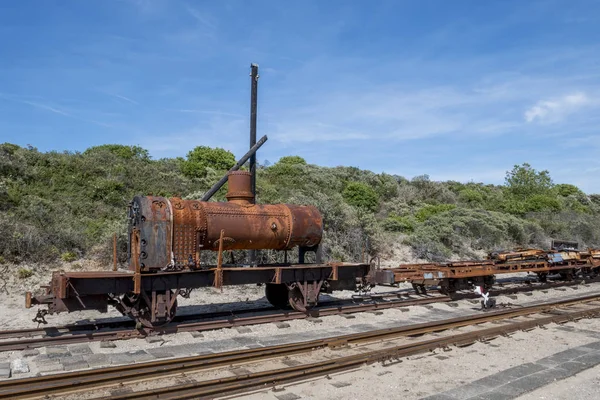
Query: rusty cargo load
column 174, row 231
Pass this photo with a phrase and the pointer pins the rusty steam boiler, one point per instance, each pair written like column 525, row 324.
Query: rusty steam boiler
column 173, row 233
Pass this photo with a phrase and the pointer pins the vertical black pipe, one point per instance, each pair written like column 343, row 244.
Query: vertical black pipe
column 253, row 107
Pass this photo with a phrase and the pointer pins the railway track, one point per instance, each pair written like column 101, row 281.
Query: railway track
column 119, row 322
column 100, row 380
column 84, row 333
column 13, row 340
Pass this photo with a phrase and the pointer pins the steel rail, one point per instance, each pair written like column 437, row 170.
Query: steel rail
column 123, row 323
column 259, row 380
column 229, row 322
column 74, row 333
column 128, row 323
column 86, row 379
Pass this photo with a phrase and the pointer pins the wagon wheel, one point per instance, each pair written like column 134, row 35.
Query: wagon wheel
column 567, row 275
column 160, row 320
column 448, row 287
column 277, row 294
column 141, row 310
column 296, row 299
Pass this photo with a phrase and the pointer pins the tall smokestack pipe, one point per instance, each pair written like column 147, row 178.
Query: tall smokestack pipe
column 253, row 107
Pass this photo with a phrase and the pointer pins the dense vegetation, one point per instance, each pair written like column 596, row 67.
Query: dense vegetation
column 68, row 205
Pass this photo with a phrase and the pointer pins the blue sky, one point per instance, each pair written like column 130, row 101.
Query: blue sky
column 459, row 90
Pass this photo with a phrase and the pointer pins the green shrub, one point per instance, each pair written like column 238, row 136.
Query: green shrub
column 24, row 273
column 524, row 181
column 471, row 196
column 395, row 223
column 428, row 249
column 203, row 157
column 122, row 151
column 386, row 186
column 55, row 203
column 534, row 203
column 110, row 191
column 68, row 256
column 289, row 170
column 461, row 230
column 292, row 160
column 565, row 189
column 540, row 202
column 360, row 195
column 595, row 198
column 429, row 210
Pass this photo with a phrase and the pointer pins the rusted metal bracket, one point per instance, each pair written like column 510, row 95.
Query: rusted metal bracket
column 310, row 291
column 60, row 285
column 135, row 256
column 334, row 272
column 40, row 316
column 27, row 299
column 114, row 252
column 218, row 283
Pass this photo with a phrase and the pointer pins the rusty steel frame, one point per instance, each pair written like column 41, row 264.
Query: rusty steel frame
column 93, row 290
column 435, row 272
column 90, row 290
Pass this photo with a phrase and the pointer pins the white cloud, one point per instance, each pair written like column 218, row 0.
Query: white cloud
column 494, row 175
column 557, row 109
column 127, row 99
column 210, row 112
column 46, row 107
column 391, row 113
column 307, row 132
column 217, row 131
column 201, row 18
column 51, row 108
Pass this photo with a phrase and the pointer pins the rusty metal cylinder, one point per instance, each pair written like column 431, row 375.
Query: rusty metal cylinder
column 239, row 187
column 174, row 231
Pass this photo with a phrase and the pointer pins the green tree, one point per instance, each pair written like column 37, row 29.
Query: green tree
column 471, row 196
column 126, row 152
column 203, row 157
column 565, row 189
column 292, row 160
column 291, row 172
column 430, row 210
column 395, row 223
column 523, row 181
column 540, row 202
column 12, row 161
column 362, row 196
